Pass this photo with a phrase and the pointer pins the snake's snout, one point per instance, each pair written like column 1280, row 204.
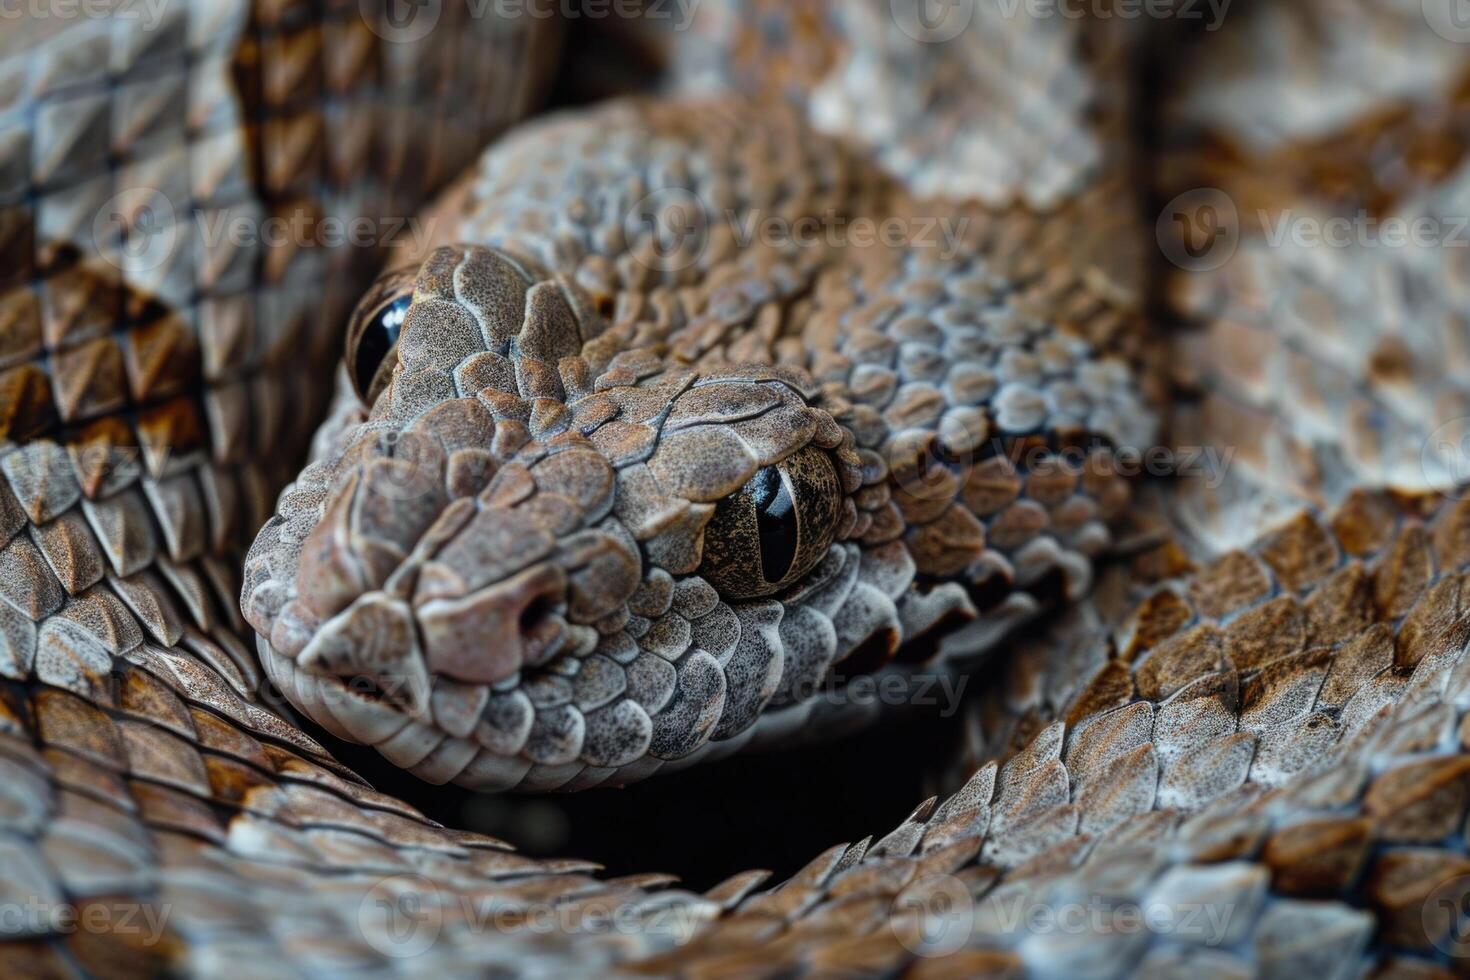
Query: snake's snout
column 489, row 636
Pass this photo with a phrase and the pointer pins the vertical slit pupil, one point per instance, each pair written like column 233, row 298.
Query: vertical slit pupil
column 775, row 518
column 377, row 339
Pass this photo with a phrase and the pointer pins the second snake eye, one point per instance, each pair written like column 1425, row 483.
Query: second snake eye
column 775, row 521
column 372, row 334
column 378, row 338
column 772, row 531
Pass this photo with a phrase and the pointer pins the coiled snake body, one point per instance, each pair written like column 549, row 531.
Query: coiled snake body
column 836, row 360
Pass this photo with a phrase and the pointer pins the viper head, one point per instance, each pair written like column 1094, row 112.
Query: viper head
column 528, row 557
column 545, row 547
column 570, row 525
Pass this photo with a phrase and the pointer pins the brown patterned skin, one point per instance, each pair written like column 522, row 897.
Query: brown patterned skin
column 1331, row 356
column 1273, row 734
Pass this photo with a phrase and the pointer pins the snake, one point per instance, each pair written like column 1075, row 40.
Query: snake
column 844, row 349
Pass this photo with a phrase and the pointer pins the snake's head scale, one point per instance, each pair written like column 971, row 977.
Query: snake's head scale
column 539, row 554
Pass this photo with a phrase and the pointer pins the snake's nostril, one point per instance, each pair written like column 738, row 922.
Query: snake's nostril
column 488, row 635
column 542, row 628
column 536, row 611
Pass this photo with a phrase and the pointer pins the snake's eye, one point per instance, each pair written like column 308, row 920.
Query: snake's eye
column 775, row 529
column 373, row 332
